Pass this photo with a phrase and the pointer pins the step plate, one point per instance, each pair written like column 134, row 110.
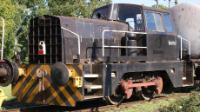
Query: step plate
column 93, row 86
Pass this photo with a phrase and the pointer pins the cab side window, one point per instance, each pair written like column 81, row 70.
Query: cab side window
column 159, row 23
column 154, row 22
column 168, row 23
column 150, row 21
column 102, row 13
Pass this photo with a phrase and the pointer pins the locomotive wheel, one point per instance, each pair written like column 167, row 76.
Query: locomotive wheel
column 116, row 98
column 159, row 85
column 148, row 93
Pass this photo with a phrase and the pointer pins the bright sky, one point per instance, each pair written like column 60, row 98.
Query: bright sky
column 152, row 2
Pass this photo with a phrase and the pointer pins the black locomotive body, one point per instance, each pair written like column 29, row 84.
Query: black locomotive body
column 123, row 50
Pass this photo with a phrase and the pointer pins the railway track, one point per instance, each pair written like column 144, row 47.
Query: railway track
column 97, row 105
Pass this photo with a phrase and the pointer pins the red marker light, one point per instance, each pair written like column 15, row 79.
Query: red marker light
column 41, row 48
column 40, row 52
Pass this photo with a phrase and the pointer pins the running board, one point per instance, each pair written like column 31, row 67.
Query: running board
column 91, row 75
column 92, row 97
column 93, row 86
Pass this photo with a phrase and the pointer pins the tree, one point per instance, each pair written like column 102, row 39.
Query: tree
column 17, row 14
column 32, row 8
column 11, row 13
column 157, row 3
column 163, row 7
column 169, row 3
column 77, row 8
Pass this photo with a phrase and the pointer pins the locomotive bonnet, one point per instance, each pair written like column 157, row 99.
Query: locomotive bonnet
column 70, row 40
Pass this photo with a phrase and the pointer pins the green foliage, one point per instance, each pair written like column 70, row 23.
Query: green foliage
column 11, row 13
column 29, row 3
column 32, row 8
column 76, row 8
column 162, row 7
column 17, row 14
column 191, row 104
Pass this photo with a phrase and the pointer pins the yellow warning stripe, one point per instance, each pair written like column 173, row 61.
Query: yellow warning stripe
column 54, row 94
column 64, row 92
column 75, row 90
column 26, row 88
column 19, row 84
column 33, row 94
column 53, row 91
column 16, row 87
column 67, row 95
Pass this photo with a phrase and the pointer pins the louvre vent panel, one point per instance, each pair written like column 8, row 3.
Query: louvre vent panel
column 48, row 30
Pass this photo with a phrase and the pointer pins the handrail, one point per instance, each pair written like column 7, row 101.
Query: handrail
column 119, row 31
column 189, row 45
column 78, row 38
column 3, row 36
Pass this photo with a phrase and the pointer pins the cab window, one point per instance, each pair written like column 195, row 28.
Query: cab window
column 158, row 21
column 132, row 15
column 154, row 21
column 168, row 23
column 102, row 13
column 150, row 21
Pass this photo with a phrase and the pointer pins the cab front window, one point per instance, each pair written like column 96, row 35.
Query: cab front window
column 132, row 15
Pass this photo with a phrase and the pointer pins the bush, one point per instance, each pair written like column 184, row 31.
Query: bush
column 190, row 104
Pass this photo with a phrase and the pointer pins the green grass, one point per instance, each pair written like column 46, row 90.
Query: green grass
column 144, row 107
column 147, row 106
column 189, row 104
column 5, row 94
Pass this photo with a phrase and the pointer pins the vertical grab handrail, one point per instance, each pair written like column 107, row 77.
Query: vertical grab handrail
column 78, row 38
column 119, row 31
column 189, row 45
column 3, row 36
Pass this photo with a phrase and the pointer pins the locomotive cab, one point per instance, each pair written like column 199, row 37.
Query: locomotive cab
column 155, row 27
column 132, row 15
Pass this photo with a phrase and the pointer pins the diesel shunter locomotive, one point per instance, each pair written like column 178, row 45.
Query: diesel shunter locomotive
column 123, row 51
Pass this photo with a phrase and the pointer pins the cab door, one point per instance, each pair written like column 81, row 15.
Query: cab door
column 162, row 42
